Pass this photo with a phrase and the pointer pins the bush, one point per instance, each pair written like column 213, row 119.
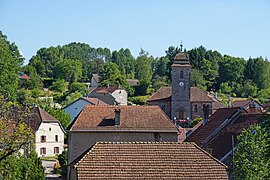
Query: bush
column 139, row 100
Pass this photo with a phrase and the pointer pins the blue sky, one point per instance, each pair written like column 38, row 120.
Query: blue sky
column 238, row 28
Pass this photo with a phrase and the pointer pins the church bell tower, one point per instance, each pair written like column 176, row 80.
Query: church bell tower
column 180, row 103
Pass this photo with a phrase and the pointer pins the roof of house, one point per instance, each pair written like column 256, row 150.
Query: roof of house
column 161, row 160
column 38, row 115
column 93, row 101
column 132, row 118
column 216, row 105
column 24, row 76
column 104, row 89
column 196, row 94
column 222, row 143
column 214, row 122
column 133, row 82
column 241, row 103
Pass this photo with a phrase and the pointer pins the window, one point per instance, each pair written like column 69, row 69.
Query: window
column 50, row 129
column 56, row 138
column 181, row 74
column 42, row 151
column 195, row 108
column 56, row 150
column 42, row 138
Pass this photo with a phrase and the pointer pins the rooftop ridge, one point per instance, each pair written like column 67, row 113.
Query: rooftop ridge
column 142, row 142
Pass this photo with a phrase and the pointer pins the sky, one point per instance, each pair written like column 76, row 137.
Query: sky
column 238, row 28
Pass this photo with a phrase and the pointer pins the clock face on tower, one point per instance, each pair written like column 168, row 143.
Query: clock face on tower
column 181, row 84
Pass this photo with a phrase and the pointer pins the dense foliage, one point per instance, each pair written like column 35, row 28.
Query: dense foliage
column 251, row 160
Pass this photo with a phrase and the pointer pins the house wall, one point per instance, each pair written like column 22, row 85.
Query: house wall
column 81, row 141
column 199, row 112
column 120, row 96
column 49, row 130
column 75, row 108
column 94, row 82
column 107, row 98
column 164, row 104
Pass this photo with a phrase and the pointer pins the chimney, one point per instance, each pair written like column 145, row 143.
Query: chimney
column 206, row 110
column 117, row 116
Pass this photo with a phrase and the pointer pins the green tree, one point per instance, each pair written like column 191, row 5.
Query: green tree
column 196, row 79
column 112, row 76
column 251, row 160
column 10, row 61
column 80, row 87
column 69, row 70
column 62, row 158
column 59, row 114
column 249, row 89
column 22, row 167
column 59, row 86
column 144, row 72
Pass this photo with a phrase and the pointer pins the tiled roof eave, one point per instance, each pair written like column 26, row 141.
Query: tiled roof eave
column 125, row 130
column 166, row 98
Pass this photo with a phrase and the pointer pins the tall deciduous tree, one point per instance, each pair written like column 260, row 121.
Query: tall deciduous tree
column 10, row 61
column 251, row 160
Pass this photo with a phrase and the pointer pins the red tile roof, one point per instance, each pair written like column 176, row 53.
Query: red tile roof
column 38, row 115
column 215, row 121
column 241, row 103
column 132, row 118
column 196, row 95
column 145, row 160
column 95, row 101
column 216, row 105
column 24, row 76
column 104, row 89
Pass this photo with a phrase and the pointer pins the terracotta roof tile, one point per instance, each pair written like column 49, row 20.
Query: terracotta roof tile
column 216, row 105
column 241, row 103
column 196, row 94
column 104, row 89
column 132, row 118
column 24, row 76
column 95, row 101
column 38, row 115
column 144, row 160
column 203, row 131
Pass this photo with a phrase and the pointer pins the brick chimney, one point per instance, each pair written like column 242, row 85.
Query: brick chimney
column 117, row 116
column 206, row 112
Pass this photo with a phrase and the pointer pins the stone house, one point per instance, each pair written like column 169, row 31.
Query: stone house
column 74, row 108
column 147, row 160
column 118, row 123
column 252, row 106
column 112, row 95
column 49, row 133
column 218, row 134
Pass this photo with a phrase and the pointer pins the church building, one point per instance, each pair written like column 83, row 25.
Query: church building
column 182, row 102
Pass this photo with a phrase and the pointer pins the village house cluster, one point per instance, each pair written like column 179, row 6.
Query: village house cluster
column 107, row 138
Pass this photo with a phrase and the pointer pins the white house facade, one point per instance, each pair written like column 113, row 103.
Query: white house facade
column 49, row 139
column 49, row 133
